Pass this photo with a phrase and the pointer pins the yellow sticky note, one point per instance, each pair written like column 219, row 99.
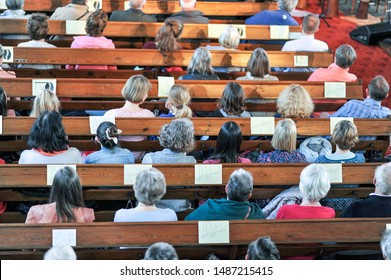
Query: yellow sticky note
column 208, row 174
column 94, row 5
column 75, row 27
column 1, row 124
column 335, row 90
column 334, row 121
column 279, row 32
column 214, row 30
column 164, row 85
column 95, row 121
column 39, row 85
column 2, row 5
column 294, row 35
column 8, row 56
column 131, row 171
column 52, row 169
column 64, row 237
column 300, row 61
column 213, row 232
column 334, row 170
column 262, row 125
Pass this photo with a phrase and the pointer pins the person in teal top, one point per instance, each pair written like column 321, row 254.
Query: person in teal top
column 235, row 207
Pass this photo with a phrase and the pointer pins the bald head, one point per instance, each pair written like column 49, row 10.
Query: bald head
column 137, row 4
column 187, row 5
column 310, row 24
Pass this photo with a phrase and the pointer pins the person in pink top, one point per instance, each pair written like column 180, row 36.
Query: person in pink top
column 135, row 91
column 338, row 71
column 94, row 39
column 228, row 145
column 66, row 204
column 314, row 185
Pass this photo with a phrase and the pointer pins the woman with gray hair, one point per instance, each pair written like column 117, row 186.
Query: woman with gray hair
column 314, row 185
column 161, row 251
column 177, row 139
column 149, row 188
column 200, row 66
column 15, row 9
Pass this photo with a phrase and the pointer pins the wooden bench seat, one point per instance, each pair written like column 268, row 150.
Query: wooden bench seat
column 163, row 7
column 139, row 29
column 290, row 236
column 146, row 57
column 111, row 88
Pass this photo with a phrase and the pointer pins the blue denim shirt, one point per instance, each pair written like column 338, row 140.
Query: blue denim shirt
column 107, row 156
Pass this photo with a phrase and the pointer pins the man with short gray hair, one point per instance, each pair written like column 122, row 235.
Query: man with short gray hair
column 307, row 41
column 236, row 206
column 377, row 204
column 338, row 71
column 385, row 244
column 161, row 251
column 133, row 14
column 189, row 13
column 276, row 17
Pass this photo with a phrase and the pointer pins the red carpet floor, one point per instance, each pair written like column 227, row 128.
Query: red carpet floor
column 371, row 60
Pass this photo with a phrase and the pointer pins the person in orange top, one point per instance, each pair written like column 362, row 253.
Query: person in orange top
column 66, row 204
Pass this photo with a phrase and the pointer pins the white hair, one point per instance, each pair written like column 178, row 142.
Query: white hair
column 383, row 178
column 61, row 252
column 385, row 244
column 161, row 251
column 314, row 182
column 187, row 4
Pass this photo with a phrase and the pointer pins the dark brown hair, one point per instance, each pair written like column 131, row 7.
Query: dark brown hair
column 168, row 35
column 96, row 23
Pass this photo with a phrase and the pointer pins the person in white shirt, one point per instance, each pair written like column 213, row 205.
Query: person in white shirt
column 307, row 41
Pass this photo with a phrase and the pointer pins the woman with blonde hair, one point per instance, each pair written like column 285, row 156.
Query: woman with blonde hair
column 96, row 23
column 294, row 102
column 200, row 66
column 46, row 101
column 135, row 92
column 258, row 67
column 177, row 103
column 284, row 143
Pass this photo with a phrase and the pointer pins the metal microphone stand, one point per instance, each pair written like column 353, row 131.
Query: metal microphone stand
column 322, row 15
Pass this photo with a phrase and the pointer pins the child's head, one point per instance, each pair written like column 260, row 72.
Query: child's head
column 136, row 89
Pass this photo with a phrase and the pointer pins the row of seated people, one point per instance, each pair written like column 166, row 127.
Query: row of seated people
column 79, row 10
column 262, row 248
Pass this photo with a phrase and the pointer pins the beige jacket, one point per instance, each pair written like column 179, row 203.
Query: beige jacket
column 71, row 12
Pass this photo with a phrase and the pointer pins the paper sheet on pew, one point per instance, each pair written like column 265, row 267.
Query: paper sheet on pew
column 214, row 30
column 334, row 121
column 131, row 171
column 334, row 89
column 213, row 232
column 262, row 125
column 208, row 174
column 300, row 61
column 279, row 32
column 2, row 5
column 95, row 121
column 388, row 226
column 164, row 85
column 334, row 170
column 75, row 27
column 39, row 85
column 64, row 237
column 8, row 56
column 94, row 5
column 51, row 170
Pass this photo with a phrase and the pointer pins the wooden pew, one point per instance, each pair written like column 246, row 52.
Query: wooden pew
column 101, row 240
column 79, row 126
column 150, row 74
column 111, row 88
column 16, row 178
column 163, row 7
column 144, row 57
column 139, row 29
